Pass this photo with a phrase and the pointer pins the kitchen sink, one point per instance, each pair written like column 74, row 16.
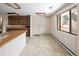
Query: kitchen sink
column 3, row 36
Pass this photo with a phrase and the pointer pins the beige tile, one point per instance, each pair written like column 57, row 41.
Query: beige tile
column 43, row 45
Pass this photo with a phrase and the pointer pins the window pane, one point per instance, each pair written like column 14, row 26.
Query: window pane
column 73, row 20
column 65, row 21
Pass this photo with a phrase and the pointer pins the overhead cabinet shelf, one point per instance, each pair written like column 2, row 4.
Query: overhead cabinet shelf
column 19, row 20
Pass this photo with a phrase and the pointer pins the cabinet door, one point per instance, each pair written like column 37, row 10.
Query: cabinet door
column 35, row 23
column 13, row 21
column 36, row 26
column 19, row 20
column 23, row 21
column 14, row 47
column 43, row 25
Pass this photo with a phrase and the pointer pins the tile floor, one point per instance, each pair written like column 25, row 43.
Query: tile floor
column 43, row 45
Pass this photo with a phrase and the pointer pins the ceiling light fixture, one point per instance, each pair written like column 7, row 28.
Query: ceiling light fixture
column 50, row 7
column 40, row 13
column 12, row 13
column 13, row 5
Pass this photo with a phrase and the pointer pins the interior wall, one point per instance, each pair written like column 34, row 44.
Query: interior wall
column 39, row 24
column 77, row 40
column 5, row 22
column 67, row 39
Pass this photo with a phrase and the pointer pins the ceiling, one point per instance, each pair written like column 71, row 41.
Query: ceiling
column 31, row 8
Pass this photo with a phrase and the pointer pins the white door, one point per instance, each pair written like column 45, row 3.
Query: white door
column 35, row 25
column 39, row 25
column 43, row 25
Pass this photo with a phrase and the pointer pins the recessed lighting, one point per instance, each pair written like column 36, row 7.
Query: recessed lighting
column 50, row 7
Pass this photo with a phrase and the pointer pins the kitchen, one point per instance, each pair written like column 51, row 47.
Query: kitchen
column 24, row 24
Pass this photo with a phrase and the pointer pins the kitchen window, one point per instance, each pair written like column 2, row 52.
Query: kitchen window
column 67, row 21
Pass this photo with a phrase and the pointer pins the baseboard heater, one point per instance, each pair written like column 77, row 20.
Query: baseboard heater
column 63, row 46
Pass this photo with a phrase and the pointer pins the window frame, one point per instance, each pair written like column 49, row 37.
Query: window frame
column 70, row 24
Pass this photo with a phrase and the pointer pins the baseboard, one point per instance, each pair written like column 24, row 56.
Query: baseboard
column 41, row 34
column 63, row 46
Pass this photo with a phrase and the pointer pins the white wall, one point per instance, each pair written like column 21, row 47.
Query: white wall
column 77, row 40
column 5, row 22
column 67, row 39
column 39, row 24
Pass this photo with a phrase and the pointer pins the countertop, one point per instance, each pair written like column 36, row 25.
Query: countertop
column 11, row 35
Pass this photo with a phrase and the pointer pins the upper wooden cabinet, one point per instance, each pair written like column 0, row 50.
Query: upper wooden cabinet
column 19, row 20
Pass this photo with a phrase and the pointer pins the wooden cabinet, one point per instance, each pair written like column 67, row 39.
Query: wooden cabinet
column 19, row 20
